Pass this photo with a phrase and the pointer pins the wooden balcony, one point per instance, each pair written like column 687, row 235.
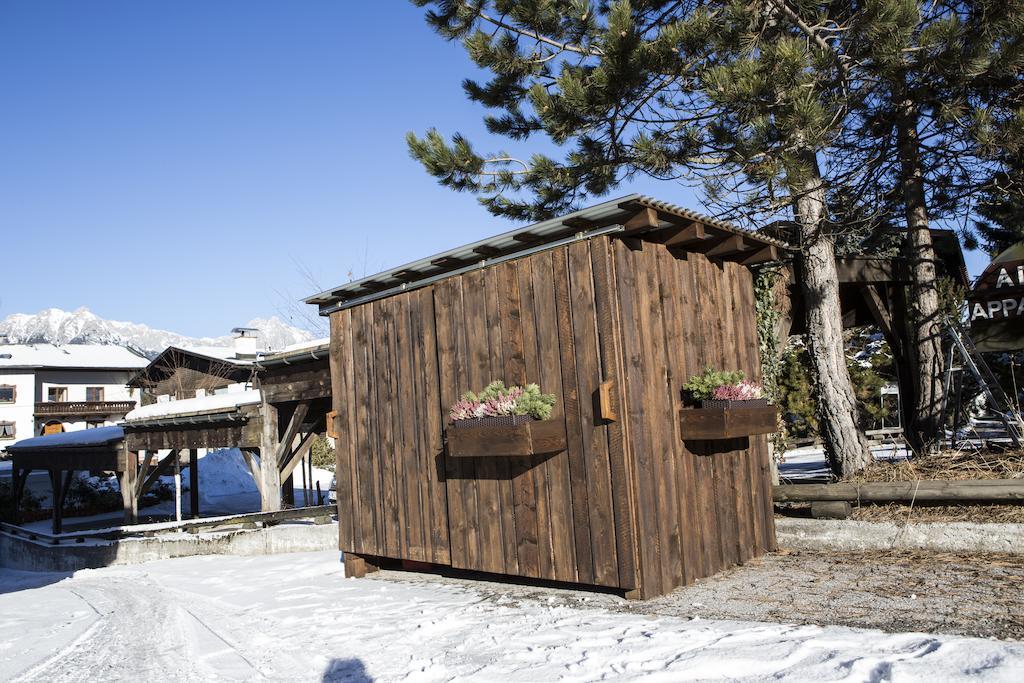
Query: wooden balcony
column 82, row 408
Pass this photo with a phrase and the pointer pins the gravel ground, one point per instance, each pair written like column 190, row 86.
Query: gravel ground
column 976, row 595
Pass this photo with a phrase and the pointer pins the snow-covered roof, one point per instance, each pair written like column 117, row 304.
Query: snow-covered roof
column 314, row 349
column 83, row 438
column 205, row 405
column 226, row 353
column 86, row 356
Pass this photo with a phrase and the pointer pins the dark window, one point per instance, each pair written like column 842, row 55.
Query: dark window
column 57, row 394
column 6, row 430
column 93, row 424
column 94, row 393
column 7, row 393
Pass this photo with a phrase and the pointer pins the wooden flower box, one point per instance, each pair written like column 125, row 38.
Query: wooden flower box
column 731, row 422
column 530, row 438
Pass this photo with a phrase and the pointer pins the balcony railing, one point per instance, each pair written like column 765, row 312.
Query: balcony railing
column 84, row 408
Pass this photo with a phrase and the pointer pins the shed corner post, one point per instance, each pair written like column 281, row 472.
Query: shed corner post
column 127, row 484
column 270, row 472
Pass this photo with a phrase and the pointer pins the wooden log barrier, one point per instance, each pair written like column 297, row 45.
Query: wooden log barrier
column 933, row 491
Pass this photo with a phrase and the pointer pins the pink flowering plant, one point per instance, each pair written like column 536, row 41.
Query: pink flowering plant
column 722, row 385
column 496, row 400
column 744, row 390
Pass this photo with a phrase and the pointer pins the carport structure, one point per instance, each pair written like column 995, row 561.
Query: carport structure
column 63, row 454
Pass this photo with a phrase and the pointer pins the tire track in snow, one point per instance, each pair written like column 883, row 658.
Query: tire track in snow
column 168, row 641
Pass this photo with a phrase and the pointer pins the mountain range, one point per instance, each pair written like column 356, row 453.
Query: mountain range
column 82, row 326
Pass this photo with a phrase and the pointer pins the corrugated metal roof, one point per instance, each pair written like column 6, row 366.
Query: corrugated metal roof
column 316, row 349
column 591, row 221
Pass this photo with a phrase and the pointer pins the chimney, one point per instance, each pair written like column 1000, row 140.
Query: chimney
column 247, row 342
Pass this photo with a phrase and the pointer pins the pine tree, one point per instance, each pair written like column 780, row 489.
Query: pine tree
column 1002, row 214
column 748, row 96
column 939, row 114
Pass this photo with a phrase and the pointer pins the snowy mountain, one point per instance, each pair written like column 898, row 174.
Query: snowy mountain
column 56, row 326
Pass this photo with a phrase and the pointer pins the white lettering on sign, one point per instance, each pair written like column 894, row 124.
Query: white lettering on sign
column 1004, row 279
column 1004, row 308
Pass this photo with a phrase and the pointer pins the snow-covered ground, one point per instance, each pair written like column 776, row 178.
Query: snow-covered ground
column 806, row 465
column 295, row 618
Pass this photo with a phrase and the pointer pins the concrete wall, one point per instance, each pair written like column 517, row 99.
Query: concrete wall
column 291, row 537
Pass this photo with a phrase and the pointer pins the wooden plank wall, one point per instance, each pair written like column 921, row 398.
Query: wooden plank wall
column 537, row 319
column 700, row 506
column 391, row 492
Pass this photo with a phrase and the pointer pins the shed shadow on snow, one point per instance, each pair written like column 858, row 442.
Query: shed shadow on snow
column 346, row 671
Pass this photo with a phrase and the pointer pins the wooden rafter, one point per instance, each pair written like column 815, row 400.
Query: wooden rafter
column 645, row 219
column 769, row 253
column 683, row 236
column 880, row 312
column 486, row 251
column 729, row 247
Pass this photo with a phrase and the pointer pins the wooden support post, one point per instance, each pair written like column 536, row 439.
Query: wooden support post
column 254, row 468
column 177, row 487
column 20, row 479
column 358, row 566
column 288, row 492
column 129, row 486
column 193, row 482
column 270, row 472
column 55, row 487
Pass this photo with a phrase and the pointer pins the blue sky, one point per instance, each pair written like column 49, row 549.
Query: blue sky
column 192, row 165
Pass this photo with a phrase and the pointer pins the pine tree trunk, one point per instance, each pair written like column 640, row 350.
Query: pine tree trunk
column 845, row 446
column 925, row 350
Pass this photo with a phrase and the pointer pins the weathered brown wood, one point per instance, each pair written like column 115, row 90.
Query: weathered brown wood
column 686, row 235
column 607, row 401
column 284, row 447
column 300, row 452
column 147, row 478
column 357, row 566
column 269, row 471
column 925, row 491
column 612, row 363
column 573, row 424
column 533, row 438
column 727, row 423
column 251, row 460
column 728, row 247
column 645, row 219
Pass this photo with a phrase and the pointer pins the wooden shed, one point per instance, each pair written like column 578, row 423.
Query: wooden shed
column 611, row 309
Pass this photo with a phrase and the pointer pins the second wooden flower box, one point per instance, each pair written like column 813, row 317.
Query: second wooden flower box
column 533, row 437
column 733, row 422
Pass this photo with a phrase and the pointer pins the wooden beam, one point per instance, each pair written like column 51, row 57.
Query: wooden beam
column 446, row 262
column 686, row 235
column 880, row 312
column 250, row 460
column 526, row 236
column 728, row 247
column 645, row 219
column 769, row 253
column 935, row 491
column 577, row 223
column 285, row 445
column 299, row 453
column 270, row 473
column 486, row 251
column 145, row 482
column 56, row 494
column 408, row 275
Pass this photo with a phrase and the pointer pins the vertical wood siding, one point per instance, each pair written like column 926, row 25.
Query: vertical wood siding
column 701, row 506
column 628, row 504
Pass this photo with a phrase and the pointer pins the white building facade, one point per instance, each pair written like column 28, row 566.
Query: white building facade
column 46, row 388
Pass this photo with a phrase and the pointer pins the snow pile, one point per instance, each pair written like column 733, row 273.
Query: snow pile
column 225, row 481
column 294, row 617
column 56, row 326
column 100, row 436
column 205, row 404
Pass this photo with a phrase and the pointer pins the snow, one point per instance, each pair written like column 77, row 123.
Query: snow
column 807, row 464
column 294, row 617
column 99, row 436
column 70, row 356
column 204, row 404
column 59, row 327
